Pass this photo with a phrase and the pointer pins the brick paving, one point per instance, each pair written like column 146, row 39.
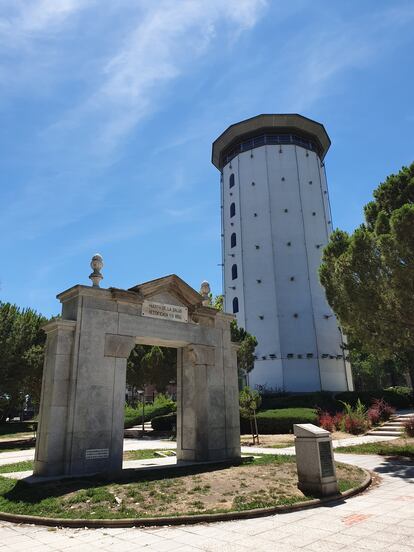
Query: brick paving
column 382, row 518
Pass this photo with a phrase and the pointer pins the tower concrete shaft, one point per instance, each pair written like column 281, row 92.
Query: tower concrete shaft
column 276, row 220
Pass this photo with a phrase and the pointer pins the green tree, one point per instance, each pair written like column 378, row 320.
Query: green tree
column 249, row 402
column 151, row 365
column 136, row 376
column 369, row 275
column 21, row 356
column 247, row 342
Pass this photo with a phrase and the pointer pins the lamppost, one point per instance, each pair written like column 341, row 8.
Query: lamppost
column 141, row 395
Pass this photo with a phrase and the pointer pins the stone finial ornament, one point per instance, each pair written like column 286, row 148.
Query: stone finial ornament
column 205, row 293
column 96, row 265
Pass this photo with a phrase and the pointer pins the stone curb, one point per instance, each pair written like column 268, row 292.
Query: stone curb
column 184, row 520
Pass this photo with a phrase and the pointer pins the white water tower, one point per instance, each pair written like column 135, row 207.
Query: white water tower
column 276, row 220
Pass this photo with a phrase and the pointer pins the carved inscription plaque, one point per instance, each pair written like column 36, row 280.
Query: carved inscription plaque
column 167, row 312
column 94, row 454
column 325, row 455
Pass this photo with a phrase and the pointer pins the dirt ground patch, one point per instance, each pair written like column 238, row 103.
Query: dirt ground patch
column 283, row 440
column 268, row 481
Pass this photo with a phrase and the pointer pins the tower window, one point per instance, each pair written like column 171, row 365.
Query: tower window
column 255, row 215
column 232, row 210
column 286, row 210
column 231, row 180
column 234, row 272
column 233, row 240
column 235, row 305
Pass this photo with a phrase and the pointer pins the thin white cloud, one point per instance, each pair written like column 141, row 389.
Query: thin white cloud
column 22, row 21
column 345, row 45
column 165, row 41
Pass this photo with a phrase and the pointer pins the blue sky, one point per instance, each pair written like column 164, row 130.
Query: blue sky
column 109, row 109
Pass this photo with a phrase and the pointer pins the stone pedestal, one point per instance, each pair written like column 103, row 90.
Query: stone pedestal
column 314, row 459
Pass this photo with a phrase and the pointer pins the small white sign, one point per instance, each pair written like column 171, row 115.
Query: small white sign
column 93, row 454
column 167, row 312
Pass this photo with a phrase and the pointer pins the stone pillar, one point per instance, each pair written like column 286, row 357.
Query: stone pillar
column 192, row 402
column 314, row 459
column 207, row 412
column 51, row 433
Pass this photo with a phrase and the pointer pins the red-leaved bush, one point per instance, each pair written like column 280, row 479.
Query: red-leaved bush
column 374, row 415
column 326, row 421
column 409, row 426
column 338, row 420
column 385, row 411
column 355, row 424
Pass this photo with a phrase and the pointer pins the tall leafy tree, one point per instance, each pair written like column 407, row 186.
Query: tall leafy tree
column 151, row 365
column 369, row 275
column 247, row 342
column 21, row 355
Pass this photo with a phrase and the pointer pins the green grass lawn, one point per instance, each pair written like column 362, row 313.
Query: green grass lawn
column 382, row 448
column 128, row 455
column 269, row 480
column 17, row 467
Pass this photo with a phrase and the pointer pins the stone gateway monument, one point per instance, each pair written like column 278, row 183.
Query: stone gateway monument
column 83, row 391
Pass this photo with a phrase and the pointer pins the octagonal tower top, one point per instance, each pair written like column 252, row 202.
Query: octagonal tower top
column 269, row 130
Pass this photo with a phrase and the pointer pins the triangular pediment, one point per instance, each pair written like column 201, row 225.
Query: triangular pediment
column 169, row 289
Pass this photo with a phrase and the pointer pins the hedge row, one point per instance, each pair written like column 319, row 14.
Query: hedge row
column 280, row 421
column 168, row 422
column 133, row 416
column 398, row 397
column 269, row 421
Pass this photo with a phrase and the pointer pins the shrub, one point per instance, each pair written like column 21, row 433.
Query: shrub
column 326, row 421
column 161, row 405
column 322, row 400
column 374, row 415
column 168, row 422
column 280, row 420
column 331, row 422
column 385, row 411
column 355, row 419
column 398, row 397
column 354, row 425
column 409, row 426
column 338, row 420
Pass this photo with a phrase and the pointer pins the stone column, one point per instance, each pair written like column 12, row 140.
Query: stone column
column 51, row 434
column 207, row 404
column 193, row 428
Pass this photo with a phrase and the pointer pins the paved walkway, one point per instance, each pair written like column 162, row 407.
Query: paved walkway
column 155, row 444
column 382, row 518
